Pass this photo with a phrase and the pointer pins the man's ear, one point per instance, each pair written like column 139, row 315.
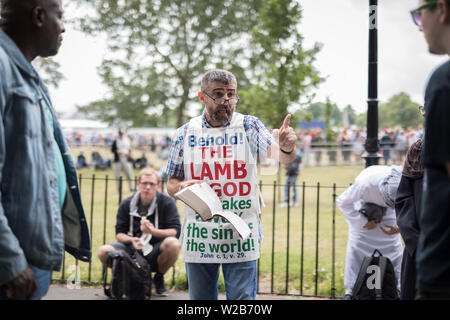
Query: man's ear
column 444, row 11
column 201, row 97
column 38, row 16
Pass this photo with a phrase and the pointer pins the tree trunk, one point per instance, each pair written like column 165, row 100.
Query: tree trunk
column 184, row 100
column 180, row 113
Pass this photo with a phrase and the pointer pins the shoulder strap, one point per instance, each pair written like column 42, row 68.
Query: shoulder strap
column 131, row 225
column 196, row 122
column 382, row 265
column 361, row 275
column 375, row 251
column 237, row 120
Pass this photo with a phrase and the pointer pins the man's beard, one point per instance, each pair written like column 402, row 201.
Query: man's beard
column 218, row 116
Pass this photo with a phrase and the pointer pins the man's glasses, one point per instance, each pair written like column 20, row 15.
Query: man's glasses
column 416, row 15
column 422, row 110
column 221, row 99
column 148, row 184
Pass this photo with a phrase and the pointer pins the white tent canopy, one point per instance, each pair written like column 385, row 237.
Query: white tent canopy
column 92, row 126
column 80, row 124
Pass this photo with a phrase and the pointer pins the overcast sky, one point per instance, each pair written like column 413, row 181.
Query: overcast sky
column 404, row 63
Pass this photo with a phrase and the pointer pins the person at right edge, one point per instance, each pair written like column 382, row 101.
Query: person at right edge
column 433, row 253
column 408, row 204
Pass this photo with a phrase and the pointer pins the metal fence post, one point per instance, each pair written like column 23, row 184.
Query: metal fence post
column 90, row 232
column 92, row 220
column 333, row 246
column 173, row 276
column 273, row 234
column 63, row 266
column 79, row 182
column 288, row 184
column 317, row 240
column 120, row 189
column 259, row 260
column 303, row 237
column 104, row 212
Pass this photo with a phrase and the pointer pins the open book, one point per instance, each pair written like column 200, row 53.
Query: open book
column 204, row 200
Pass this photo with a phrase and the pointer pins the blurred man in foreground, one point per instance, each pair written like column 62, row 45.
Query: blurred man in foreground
column 40, row 211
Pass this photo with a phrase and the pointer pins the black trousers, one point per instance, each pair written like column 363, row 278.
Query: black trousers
column 408, row 276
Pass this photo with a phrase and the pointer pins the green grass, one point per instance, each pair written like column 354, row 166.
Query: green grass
column 101, row 218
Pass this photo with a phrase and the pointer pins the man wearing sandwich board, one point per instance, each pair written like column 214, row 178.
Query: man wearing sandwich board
column 221, row 147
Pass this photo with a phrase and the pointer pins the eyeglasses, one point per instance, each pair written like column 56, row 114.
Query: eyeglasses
column 220, row 99
column 422, row 110
column 148, row 184
column 417, row 16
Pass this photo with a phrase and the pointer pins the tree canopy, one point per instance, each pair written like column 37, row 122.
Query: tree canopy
column 399, row 110
column 283, row 69
column 158, row 51
column 49, row 70
column 318, row 111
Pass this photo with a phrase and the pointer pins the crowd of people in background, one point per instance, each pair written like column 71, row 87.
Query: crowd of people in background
column 144, row 143
column 347, row 145
column 149, row 142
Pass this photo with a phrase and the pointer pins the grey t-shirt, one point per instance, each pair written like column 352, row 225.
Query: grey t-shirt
column 142, row 209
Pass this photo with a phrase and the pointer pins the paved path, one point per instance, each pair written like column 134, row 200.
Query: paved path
column 61, row 292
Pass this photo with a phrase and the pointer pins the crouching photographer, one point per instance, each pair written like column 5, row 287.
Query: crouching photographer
column 148, row 222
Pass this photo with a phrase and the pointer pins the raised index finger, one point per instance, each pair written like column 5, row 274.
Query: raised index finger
column 286, row 122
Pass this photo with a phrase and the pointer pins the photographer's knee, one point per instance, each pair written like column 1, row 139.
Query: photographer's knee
column 102, row 252
column 171, row 245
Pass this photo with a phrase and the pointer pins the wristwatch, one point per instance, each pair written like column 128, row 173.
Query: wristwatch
column 286, row 151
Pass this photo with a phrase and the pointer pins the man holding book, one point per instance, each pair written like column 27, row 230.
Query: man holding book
column 221, row 147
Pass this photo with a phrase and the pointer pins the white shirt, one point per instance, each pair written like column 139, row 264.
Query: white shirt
column 123, row 145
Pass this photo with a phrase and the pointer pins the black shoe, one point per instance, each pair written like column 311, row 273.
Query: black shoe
column 161, row 290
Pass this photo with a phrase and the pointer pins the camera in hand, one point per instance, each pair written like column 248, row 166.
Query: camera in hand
column 372, row 211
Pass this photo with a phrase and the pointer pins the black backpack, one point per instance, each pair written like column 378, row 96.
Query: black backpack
column 131, row 276
column 368, row 287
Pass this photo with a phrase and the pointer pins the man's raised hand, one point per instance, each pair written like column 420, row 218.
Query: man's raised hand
column 286, row 136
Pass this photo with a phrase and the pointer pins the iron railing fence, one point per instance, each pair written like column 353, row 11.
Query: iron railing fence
column 302, row 251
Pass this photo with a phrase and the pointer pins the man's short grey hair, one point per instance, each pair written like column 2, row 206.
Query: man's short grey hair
column 218, row 75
